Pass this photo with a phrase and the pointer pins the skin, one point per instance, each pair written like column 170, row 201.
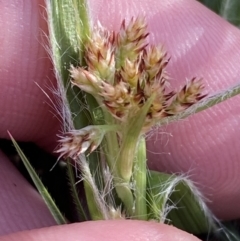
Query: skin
column 204, row 146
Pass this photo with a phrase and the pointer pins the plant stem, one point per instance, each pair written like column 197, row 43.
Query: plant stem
column 123, row 169
column 140, row 181
column 95, row 202
column 130, row 140
column 111, row 149
column 112, row 145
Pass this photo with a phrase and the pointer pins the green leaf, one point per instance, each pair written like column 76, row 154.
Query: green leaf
column 175, row 200
column 59, row 218
column 214, row 5
column 230, row 10
column 69, row 28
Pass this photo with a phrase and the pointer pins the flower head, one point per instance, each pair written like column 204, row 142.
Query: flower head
column 76, row 142
column 190, row 94
column 100, row 53
column 124, row 71
column 131, row 39
column 85, row 80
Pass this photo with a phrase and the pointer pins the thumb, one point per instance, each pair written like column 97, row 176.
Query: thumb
column 105, row 230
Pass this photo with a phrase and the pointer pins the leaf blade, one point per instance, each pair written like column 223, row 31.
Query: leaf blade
column 59, row 218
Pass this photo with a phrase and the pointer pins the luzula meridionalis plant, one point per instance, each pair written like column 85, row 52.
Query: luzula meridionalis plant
column 128, row 79
column 120, row 91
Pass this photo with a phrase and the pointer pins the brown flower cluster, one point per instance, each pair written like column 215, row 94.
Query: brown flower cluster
column 124, row 71
column 76, row 142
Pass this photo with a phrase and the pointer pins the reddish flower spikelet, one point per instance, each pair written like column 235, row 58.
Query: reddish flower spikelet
column 99, row 53
column 131, row 39
column 155, row 60
column 76, row 142
column 190, row 94
column 85, row 80
column 130, row 72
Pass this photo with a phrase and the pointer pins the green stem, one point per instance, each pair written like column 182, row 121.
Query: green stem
column 111, row 150
column 125, row 194
column 123, row 168
column 112, row 145
column 130, row 140
column 95, row 202
column 140, row 180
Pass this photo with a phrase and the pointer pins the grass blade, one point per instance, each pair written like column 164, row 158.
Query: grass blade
column 59, row 218
column 66, row 40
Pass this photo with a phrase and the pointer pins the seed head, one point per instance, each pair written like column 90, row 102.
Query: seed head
column 76, row 142
column 130, row 72
column 117, row 99
column 85, row 80
column 131, row 39
column 190, row 94
column 155, row 60
column 100, row 53
column 124, row 72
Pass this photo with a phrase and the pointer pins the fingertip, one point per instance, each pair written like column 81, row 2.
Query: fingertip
column 117, row 230
column 24, row 109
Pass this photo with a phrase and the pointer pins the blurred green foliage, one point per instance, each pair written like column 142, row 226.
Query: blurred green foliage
column 228, row 9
